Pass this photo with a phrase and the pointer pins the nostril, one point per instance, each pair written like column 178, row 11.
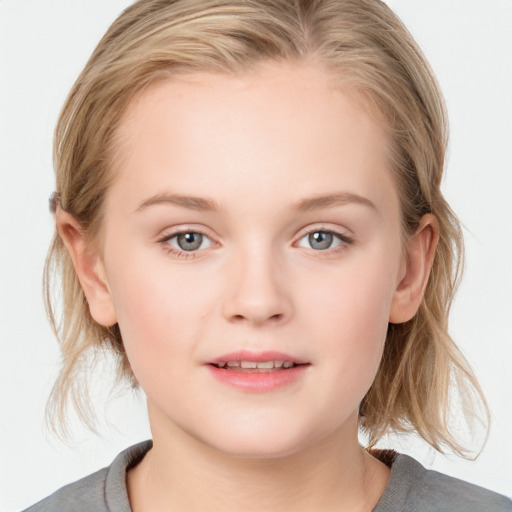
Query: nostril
column 273, row 318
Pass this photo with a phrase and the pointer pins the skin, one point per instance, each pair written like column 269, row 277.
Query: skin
column 257, row 145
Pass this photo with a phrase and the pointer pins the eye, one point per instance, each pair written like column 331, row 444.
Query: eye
column 187, row 241
column 321, row 240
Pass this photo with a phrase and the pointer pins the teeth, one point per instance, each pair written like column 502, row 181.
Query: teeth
column 267, row 365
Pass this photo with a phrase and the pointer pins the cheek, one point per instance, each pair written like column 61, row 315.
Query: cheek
column 354, row 299
column 350, row 314
column 161, row 315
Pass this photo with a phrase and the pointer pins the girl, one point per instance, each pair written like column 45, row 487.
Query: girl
column 248, row 214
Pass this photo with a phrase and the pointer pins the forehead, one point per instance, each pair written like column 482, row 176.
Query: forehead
column 288, row 124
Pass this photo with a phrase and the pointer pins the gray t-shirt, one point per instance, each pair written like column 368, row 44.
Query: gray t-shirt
column 411, row 488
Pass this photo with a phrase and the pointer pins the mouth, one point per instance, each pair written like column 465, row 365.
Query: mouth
column 256, row 366
column 258, row 372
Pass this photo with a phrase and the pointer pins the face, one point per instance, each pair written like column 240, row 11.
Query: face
column 251, row 251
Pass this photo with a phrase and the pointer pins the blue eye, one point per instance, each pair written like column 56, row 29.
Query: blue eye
column 321, row 240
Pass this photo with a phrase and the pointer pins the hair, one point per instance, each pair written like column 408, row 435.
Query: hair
column 366, row 47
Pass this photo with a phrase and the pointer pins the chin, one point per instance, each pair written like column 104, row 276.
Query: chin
column 265, row 442
column 258, row 450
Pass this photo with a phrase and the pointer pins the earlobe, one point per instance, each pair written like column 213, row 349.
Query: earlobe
column 89, row 268
column 420, row 253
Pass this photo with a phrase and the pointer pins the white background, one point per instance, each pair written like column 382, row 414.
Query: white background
column 44, row 45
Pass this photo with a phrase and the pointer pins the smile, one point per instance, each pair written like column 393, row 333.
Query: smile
column 258, row 372
column 255, row 366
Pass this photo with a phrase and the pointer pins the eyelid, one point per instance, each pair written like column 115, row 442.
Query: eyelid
column 171, row 231
column 342, row 232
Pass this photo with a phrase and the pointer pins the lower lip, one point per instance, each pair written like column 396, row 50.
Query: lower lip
column 254, row 382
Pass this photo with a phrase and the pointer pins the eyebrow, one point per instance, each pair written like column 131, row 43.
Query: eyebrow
column 189, row 202
column 304, row 205
column 341, row 198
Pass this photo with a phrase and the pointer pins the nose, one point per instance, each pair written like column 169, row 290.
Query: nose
column 258, row 290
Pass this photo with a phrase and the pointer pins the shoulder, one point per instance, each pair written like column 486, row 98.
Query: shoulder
column 455, row 495
column 414, row 488
column 77, row 496
column 103, row 491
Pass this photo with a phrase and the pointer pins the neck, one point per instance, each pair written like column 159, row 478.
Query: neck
column 334, row 473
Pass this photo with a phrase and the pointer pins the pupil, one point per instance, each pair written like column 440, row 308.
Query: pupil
column 320, row 240
column 190, row 241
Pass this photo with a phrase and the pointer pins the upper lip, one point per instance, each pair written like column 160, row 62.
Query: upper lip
column 258, row 357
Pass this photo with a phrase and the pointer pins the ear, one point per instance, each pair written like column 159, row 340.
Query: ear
column 89, row 268
column 420, row 251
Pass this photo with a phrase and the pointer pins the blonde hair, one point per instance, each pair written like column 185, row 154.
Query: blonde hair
column 364, row 45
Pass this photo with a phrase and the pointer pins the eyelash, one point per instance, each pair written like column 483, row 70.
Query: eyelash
column 344, row 242
column 343, row 239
